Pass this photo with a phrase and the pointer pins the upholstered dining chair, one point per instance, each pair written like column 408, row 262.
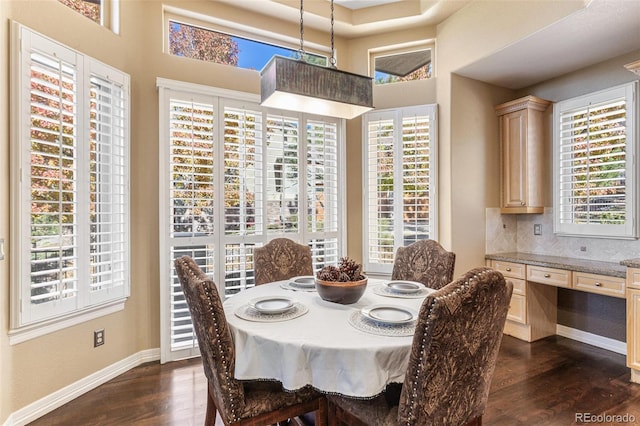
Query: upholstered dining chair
column 453, row 355
column 255, row 403
column 425, row 261
column 281, row 259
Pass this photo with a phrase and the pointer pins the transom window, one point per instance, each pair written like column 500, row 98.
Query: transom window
column 403, row 66
column 191, row 41
column 595, row 167
column 103, row 12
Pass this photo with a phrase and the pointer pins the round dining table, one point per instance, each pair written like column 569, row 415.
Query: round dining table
column 327, row 345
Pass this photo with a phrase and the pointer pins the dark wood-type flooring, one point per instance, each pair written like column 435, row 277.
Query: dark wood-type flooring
column 542, row 383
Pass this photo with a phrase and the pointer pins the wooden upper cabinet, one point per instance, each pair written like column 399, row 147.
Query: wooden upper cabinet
column 521, row 151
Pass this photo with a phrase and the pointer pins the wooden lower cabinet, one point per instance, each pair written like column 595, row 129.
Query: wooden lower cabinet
column 633, row 323
column 533, row 310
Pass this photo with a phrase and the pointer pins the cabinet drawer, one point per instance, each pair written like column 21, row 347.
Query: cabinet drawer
column 633, row 278
column 509, row 269
column 550, row 276
column 518, row 309
column 601, row 284
column 518, row 285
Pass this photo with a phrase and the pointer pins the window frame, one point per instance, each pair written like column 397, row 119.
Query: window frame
column 23, row 325
column 397, row 115
column 628, row 230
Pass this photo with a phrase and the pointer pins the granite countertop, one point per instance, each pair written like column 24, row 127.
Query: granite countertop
column 612, row 269
column 631, row 263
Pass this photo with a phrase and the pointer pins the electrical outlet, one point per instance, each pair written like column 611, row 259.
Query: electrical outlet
column 98, row 338
column 537, row 229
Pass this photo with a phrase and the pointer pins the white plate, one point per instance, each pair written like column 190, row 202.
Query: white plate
column 271, row 304
column 305, row 281
column 389, row 314
column 401, row 286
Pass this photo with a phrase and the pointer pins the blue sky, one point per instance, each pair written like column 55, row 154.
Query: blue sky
column 255, row 55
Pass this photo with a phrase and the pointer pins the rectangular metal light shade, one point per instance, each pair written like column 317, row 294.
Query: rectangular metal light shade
column 295, row 85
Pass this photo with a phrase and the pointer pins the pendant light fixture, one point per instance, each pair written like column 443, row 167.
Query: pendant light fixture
column 294, row 84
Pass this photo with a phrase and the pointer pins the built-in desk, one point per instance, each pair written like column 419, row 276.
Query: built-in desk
column 536, row 278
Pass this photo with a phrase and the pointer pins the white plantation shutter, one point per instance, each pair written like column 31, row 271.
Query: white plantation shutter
column 283, row 174
column 416, row 177
column 381, row 134
column 594, row 152
column 400, row 184
column 191, row 209
column 72, row 217
column 53, row 164
column 108, row 186
column 323, row 195
column 234, row 176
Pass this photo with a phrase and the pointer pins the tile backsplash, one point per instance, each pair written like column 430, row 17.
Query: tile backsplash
column 509, row 233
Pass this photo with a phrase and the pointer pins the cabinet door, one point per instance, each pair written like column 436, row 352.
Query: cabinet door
column 514, row 159
column 633, row 329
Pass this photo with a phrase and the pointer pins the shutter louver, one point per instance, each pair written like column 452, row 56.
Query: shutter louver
column 53, row 174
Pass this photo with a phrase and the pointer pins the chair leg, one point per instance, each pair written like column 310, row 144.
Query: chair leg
column 475, row 422
column 210, row 419
column 322, row 413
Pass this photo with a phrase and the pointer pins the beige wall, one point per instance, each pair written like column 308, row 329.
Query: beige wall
column 467, row 160
column 36, row 368
column 473, row 33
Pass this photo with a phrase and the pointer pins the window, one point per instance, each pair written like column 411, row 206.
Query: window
column 400, row 182
column 236, row 175
column 205, row 44
column 70, row 183
column 594, row 164
column 103, row 12
column 405, row 66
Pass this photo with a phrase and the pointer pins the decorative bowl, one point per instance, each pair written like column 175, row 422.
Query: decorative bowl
column 343, row 292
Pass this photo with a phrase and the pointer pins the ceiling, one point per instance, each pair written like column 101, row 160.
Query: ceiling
column 602, row 30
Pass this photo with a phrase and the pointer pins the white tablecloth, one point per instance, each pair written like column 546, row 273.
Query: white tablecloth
column 319, row 348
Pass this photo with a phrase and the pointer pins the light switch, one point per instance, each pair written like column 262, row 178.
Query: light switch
column 537, row 229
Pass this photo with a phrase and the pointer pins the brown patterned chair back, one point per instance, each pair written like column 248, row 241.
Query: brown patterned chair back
column 454, row 350
column 425, row 261
column 281, row 259
column 214, row 337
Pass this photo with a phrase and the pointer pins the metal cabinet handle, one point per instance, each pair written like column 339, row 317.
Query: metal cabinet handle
column 508, row 269
column 547, row 276
column 598, row 284
column 522, row 203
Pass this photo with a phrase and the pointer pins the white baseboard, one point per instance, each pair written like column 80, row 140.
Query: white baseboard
column 592, row 339
column 60, row 397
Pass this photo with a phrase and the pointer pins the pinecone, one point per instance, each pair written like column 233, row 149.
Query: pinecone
column 347, row 270
column 351, row 269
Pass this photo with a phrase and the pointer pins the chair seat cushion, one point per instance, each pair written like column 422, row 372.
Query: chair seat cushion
column 265, row 396
column 378, row 411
